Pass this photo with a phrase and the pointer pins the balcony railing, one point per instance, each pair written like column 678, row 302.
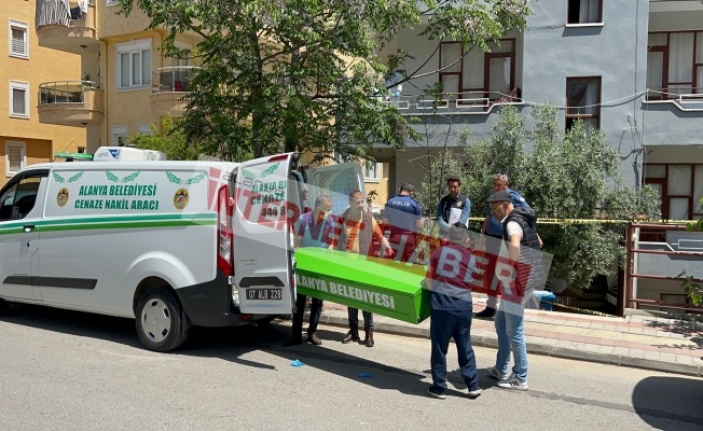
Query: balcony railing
column 61, row 12
column 64, row 92
column 175, row 79
column 686, row 98
column 471, row 103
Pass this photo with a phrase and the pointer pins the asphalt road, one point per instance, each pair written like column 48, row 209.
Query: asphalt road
column 63, row 370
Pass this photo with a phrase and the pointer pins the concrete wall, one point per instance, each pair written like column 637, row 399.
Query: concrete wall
column 111, row 23
column 615, row 51
column 43, row 65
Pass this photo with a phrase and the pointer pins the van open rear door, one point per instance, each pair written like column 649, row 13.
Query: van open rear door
column 266, row 201
column 335, row 181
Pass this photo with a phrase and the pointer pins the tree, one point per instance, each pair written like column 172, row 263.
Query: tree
column 692, row 287
column 170, row 141
column 295, row 75
column 571, row 176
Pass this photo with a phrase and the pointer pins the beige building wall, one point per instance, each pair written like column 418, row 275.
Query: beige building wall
column 39, row 66
column 133, row 110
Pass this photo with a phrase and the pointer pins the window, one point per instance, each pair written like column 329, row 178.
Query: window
column 15, row 157
column 134, row 64
column 372, row 171
column 145, row 129
column 19, row 39
column 674, row 64
column 19, row 99
column 81, row 150
column 680, row 187
column 113, row 2
column 583, row 101
column 584, row 12
column 342, row 158
column 19, row 199
column 471, row 73
column 119, row 136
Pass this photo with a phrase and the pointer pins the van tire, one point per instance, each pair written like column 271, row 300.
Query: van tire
column 4, row 306
column 160, row 320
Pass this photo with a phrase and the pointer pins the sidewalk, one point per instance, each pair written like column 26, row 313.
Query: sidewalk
column 644, row 342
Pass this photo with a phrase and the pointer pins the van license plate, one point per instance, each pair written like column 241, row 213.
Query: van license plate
column 265, row 294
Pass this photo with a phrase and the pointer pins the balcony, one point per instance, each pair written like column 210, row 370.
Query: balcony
column 71, row 103
column 169, row 88
column 66, row 26
column 467, row 103
column 687, row 99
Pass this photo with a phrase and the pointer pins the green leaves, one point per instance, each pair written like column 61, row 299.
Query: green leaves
column 565, row 176
column 296, row 75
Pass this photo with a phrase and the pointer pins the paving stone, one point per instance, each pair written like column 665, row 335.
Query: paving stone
column 667, row 357
column 621, row 350
column 606, row 349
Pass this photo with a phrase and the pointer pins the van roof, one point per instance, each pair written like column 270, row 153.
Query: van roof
column 152, row 165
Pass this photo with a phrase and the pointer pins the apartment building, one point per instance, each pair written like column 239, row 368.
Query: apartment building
column 123, row 82
column 633, row 68
column 24, row 139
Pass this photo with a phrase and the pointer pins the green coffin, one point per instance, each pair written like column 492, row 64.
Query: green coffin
column 382, row 286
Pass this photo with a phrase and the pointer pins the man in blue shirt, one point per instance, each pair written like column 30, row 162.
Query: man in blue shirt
column 313, row 229
column 454, row 202
column 493, row 228
column 449, row 278
column 404, row 216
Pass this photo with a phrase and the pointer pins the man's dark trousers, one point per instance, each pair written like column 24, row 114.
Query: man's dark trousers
column 315, row 312
column 443, row 326
column 353, row 314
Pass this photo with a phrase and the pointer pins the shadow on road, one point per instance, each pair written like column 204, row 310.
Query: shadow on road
column 231, row 344
column 114, row 329
column 662, row 401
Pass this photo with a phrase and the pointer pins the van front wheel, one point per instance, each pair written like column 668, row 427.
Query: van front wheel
column 159, row 320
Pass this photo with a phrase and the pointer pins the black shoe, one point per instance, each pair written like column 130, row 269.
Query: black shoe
column 436, row 393
column 351, row 336
column 293, row 341
column 486, row 313
column 314, row 339
column 368, row 341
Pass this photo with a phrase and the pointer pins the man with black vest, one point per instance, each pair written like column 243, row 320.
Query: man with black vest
column 520, row 234
column 493, row 228
column 454, row 207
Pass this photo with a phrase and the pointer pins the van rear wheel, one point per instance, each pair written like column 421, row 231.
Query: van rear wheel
column 159, row 320
column 4, row 306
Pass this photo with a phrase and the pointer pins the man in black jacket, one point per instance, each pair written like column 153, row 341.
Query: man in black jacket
column 520, row 234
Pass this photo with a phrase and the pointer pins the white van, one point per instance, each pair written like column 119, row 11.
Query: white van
column 174, row 244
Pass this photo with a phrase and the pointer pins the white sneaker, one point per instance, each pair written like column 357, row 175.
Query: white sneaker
column 501, row 377
column 513, row 383
column 475, row 393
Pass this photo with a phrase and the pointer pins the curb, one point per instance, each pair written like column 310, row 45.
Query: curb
column 574, row 353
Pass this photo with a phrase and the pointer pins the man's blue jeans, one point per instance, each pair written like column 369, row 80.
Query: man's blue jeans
column 510, row 327
column 443, row 326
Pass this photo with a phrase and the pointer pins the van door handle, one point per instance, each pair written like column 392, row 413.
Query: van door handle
column 28, row 228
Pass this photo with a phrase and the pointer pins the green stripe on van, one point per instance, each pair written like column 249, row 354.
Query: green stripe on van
column 112, row 222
